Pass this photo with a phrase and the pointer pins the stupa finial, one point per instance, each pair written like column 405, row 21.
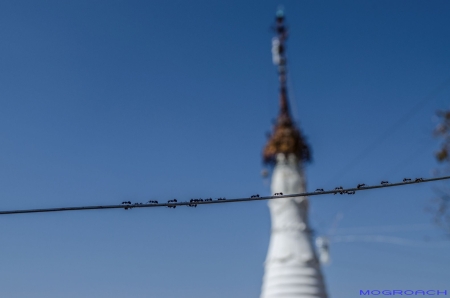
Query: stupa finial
column 286, row 137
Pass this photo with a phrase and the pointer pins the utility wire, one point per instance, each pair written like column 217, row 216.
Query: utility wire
column 338, row 215
column 384, row 229
column 406, row 161
column 392, row 171
column 337, row 190
column 387, row 239
column 394, row 127
column 414, row 254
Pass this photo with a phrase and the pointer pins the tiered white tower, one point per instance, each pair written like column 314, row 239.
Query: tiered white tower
column 292, row 269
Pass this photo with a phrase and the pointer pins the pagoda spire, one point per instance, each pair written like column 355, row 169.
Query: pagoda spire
column 291, row 269
column 285, row 138
column 279, row 58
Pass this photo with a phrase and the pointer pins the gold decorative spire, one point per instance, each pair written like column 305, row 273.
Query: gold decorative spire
column 286, row 138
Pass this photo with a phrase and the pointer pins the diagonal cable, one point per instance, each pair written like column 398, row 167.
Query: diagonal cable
column 338, row 190
column 393, row 128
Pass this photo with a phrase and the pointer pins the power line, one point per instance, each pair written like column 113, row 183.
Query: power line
column 392, row 171
column 172, row 204
column 388, row 132
column 406, row 161
column 394, row 127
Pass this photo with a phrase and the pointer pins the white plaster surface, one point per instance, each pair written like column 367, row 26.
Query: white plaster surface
column 292, row 269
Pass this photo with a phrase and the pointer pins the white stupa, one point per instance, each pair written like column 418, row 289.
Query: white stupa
column 292, row 269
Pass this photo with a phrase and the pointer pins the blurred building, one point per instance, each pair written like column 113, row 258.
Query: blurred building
column 292, row 269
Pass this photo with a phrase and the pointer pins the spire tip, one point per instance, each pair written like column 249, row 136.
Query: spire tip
column 280, row 12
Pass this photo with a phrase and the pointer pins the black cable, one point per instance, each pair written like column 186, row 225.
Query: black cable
column 338, row 190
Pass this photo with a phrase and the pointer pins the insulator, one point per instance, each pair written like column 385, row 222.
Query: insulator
column 275, row 45
column 276, row 59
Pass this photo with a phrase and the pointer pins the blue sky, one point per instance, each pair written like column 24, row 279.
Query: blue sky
column 105, row 101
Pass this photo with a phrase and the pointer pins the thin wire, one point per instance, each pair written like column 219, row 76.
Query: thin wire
column 404, row 253
column 425, row 145
column 419, row 256
column 372, row 146
column 220, row 201
column 345, row 170
column 364, row 267
column 385, row 229
column 386, row 239
column 405, row 162
column 392, row 171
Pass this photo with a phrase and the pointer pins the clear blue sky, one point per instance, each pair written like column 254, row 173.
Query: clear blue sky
column 105, row 101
